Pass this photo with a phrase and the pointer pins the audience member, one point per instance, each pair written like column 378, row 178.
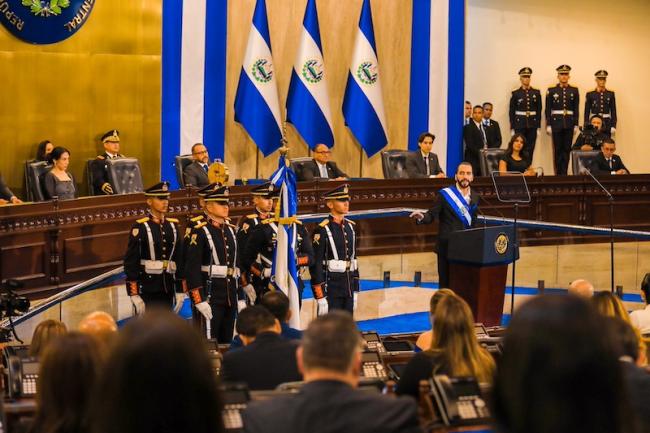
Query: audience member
column 608, row 304
column 45, row 332
column 468, row 113
column 196, row 173
column 67, row 383
column 278, row 304
column 492, row 128
column 424, row 340
column 6, row 196
column 581, row 288
column 516, row 158
column 640, row 319
column 43, row 150
column 158, row 379
column 475, row 139
column 423, row 163
column 330, row 359
column 454, row 349
column 58, row 182
column 558, row 371
column 102, row 327
column 321, row 166
column 607, row 162
column 267, row 359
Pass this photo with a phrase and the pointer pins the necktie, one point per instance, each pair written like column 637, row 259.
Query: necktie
column 323, row 171
column 484, row 137
column 609, row 161
column 426, row 162
column 205, row 167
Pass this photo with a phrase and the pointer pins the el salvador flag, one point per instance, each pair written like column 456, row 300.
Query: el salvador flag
column 363, row 106
column 257, row 107
column 308, row 106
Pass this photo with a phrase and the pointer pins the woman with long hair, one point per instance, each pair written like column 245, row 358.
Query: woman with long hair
column 424, row 340
column 516, row 158
column 45, row 332
column 43, row 150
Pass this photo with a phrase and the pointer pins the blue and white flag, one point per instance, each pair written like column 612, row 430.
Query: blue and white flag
column 284, row 273
column 308, row 105
column 363, row 105
column 257, row 107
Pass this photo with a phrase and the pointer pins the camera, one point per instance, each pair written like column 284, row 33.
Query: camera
column 10, row 303
column 589, row 133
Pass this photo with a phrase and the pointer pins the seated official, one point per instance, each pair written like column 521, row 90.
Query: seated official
column 607, row 162
column 321, row 166
column 267, row 359
column 423, row 163
column 101, row 184
column 640, row 319
column 454, row 349
column 516, row 158
column 330, row 359
column 424, row 340
column 43, row 150
column 59, row 182
column 591, row 136
column 196, row 173
column 6, row 196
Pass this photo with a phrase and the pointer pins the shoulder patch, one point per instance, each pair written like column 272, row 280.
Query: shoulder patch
column 142, row 220
column 325, row 222
column 100, row 157
column 196, row 218
column 251, row 216
column 135, row 232
column 199, row 225
column 268, row 221
column 298, row 222
column 173, row 220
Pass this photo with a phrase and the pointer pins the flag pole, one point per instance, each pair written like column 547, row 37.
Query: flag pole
column 257, row 163
column 360, row 161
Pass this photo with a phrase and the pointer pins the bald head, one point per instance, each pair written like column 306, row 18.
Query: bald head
column 581, row 288
column 97, row 322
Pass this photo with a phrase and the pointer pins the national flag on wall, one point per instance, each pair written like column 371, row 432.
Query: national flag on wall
column 308, row 105
column 257, row 107
column 363, row 106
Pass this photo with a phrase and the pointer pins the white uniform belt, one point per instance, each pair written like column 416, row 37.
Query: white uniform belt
column 526, row 113
column 158, row 266
column 341, row 265
column 220, row 271
column 563, row 112
column 605, row 116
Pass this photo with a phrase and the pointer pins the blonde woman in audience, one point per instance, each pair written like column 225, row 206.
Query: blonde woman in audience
column 45, row 332
column 424, row 340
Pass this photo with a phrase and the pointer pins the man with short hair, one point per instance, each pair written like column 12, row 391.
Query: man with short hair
column 602, row 101
column 607, row 162
column 475, row 139
column 492, row 128
column 562, row 105
column 321, row 166
column 196, row 173
column 330, row 360
column 424, row 163
column 592, row 136
column 278, row 304
column 526, row 110
column 581, row 288
column 99, row 167
column 267, row 359
column 468, row 113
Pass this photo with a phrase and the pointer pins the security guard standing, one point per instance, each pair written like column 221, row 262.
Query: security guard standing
column 210, row 266
column 101, row 184
column 603, row 103
column 562, row 116
column 526, row 111
column 154, row 250
column 335, row 275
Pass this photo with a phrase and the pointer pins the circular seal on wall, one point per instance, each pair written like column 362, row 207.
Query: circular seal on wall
column 262, row 70
column 501, row 243
column 312, row 71
column 367, row 73
column 44, row 21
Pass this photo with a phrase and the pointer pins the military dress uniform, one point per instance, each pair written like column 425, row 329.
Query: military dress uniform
column 99, row 167
column 211, row 269
column 562, row 114
column 335, row 273
column 602, row 103
column 153, row 254
column 526, row 113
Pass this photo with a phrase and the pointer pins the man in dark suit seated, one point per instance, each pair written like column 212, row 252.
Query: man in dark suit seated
column 607, row 162
column 424, row 163
column 267, row 359
column 6, row 196
column 330, row 359
column 321, row 166
column 196, row 173
column 475, row 139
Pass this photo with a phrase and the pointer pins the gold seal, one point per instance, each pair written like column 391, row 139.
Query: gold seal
column 501, row 244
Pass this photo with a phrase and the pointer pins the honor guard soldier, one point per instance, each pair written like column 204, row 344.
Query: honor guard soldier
column 334, row 275
column 151, row 258
column 210, row 266
column 562, row 114
column 526, row 111
column 101, row 184
column 603, row 103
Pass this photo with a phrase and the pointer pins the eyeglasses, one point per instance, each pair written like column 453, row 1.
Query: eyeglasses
column 326, row 152
column 200, row 153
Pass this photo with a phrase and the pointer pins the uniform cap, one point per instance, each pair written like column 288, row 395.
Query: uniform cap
column 113, row 135
column 525, row 72
column 341, row 193
column 563, row 69
column 219, row 194
column 208, row 188
column 266, row 190
column 160, row 189
column 601, row 74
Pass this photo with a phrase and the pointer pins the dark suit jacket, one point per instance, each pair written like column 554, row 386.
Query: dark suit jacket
column 493, row 133
column 637, row 382
column 600, row 165
column 195, row 175
column 310, row 171
column 473, row 139
column 332, row 406
column 5, row 192
column 100, row 173
column 264, row 364
column 415, row 166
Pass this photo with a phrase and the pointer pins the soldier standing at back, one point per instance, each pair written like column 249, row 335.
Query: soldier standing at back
column 562, row 114
column 526, row 111
column 602, row 102
column 101, row 182
column 154, row 250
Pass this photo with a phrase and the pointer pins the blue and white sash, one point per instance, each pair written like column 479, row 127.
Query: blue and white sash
column 458, row 204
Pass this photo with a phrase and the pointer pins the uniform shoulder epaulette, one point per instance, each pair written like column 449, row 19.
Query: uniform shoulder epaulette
column 229, row 224
column 100, row 157
column 196, row 218
column 142, row 220
column 298, row 222
column 251, row 216
column 350, row 221
column 267, row 221
column 201, row 224
column 325, row 222
column 514, row 90
column 173, row 220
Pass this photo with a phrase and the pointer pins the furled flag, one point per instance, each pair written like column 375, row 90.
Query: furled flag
column 308, row 106
column 256, row 104
column 363, row 106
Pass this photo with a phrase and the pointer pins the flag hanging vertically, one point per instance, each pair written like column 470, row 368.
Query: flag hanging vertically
column 284, row 272
column 308, row 105
column 257, row 107
column 363, row 106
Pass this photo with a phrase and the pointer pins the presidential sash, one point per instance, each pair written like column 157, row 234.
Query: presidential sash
column 460, row 207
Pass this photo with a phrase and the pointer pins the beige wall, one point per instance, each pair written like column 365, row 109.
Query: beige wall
column 505, row 35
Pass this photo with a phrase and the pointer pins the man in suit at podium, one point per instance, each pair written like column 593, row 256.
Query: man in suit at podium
column 455, row 207
column 196, row 173
column 423, row 163
column 607, row 162
column 321, row 166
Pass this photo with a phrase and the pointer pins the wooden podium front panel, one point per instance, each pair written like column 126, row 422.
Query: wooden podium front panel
column 483, row 288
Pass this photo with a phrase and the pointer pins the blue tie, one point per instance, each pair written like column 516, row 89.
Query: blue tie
column 205, row 167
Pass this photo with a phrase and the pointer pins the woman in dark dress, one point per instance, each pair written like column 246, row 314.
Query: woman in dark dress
column 58, row 182
column 516, row 158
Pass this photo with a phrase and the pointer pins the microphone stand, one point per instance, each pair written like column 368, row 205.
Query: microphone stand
column 610, row 199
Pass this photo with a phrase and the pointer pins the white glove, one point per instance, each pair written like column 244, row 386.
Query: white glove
column 538, row 132
column 576, row 128
column 138, row 304
column 322, row 307
column 418, row 215
column 249, row 290
column 266, row 273
column 549, row 131
column 179, row 301
column 612, row 131
column 355, row 299
column 512, row 132
column 241, row 304
column 205, row 310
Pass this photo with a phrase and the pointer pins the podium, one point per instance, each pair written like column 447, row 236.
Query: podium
column 478, row 268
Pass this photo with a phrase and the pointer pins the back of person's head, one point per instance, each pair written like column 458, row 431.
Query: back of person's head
column 645, row 288
column 41, row 150
column 278, row 304
column 608, row 304
column 69, row 374
column 437, row 297
column 254, row 319
column 331, row 343
column 558, row 371
column 625, row 338
column 454, row 339
column 158, row 379
column 45, row 332
column 101, row 326
column 582, row 288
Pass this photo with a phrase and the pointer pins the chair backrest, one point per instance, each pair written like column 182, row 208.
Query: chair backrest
column 34, row 171
column 297, row 164
column 180, row 162
column 125, row 175
column 393, row 164
column 90, row 178
column 490, row 160
column 582, row 160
